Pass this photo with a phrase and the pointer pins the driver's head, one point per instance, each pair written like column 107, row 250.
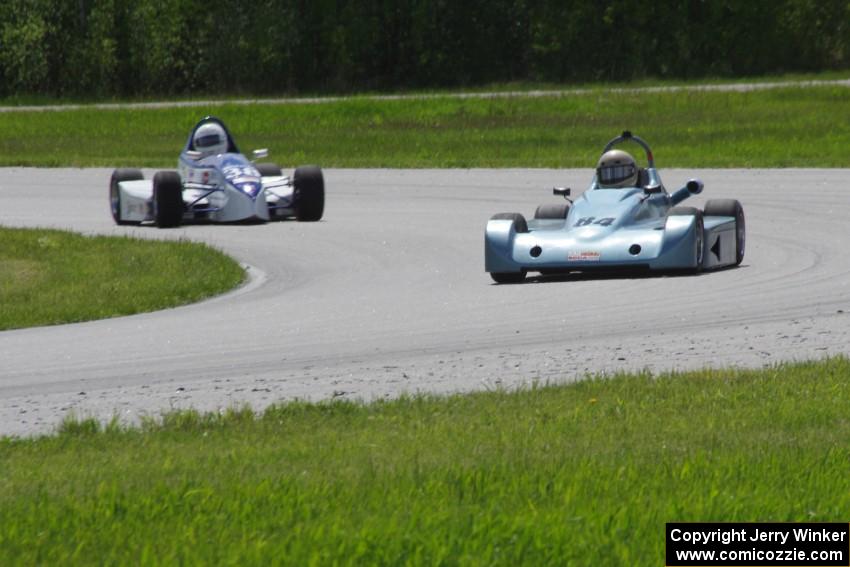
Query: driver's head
column 210, row 138
column 616, row 168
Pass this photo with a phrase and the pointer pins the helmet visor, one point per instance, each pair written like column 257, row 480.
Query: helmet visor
column 613, row 174
column 207, row 140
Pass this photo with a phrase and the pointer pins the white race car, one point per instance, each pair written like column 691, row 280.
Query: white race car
column 216, row 183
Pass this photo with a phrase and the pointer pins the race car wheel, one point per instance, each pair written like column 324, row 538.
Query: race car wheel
column 552, row 211
column 269, row 169
column 309, row 192
column 731, row 208
column 520, row 225
column 167, row 199
column 699, row 241
column 508, row 278
column 119, row 175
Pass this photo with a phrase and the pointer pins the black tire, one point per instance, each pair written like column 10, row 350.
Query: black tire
column 167, row 199
column 520, row 225
column 269, row 169
column 508, row 278
column 731, row 208
column 119, row 175
column 552, row 211
column 309, row 193
column 699, row 245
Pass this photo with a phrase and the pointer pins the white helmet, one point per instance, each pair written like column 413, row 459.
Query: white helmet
column 210, row 138
column 616, row 168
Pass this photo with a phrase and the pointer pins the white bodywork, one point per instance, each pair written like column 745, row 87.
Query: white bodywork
column 208, row 196
column 215, row 182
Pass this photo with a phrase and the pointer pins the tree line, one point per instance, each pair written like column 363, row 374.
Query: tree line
column 109, row 48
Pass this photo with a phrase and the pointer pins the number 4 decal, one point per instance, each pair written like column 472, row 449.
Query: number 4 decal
column 585, row 221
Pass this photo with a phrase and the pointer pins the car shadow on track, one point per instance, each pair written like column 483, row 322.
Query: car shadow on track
column 603, row 275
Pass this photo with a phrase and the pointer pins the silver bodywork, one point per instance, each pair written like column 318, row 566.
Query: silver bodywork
column 617, row 228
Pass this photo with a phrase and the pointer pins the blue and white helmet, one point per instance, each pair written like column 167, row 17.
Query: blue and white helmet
column 210, row 138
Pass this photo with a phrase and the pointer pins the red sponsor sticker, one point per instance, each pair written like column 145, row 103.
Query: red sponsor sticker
column 205, row 178
column 584, row 256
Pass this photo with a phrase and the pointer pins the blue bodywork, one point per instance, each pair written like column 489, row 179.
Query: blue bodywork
column 616, row 228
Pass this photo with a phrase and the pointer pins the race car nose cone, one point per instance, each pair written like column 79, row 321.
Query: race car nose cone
column 250, row 189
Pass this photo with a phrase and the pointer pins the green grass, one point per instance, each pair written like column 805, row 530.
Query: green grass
column 788, row 127
column 584, row 474
column 49, row 277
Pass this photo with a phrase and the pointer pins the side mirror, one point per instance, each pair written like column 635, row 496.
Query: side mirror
column 261, row 153
column 194, row 154
column 562, row 191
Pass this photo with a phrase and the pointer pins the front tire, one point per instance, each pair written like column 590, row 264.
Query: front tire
column 508, row 278
column 731, row 208
column 309, row 193
column 119, row 175
column 167, row 199
column 519, row 225
column 699, row 241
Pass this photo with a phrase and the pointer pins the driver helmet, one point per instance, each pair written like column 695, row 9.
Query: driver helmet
column 616, row 168
column 210, row 138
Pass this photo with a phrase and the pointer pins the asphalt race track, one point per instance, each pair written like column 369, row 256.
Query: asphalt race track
column 388, row 295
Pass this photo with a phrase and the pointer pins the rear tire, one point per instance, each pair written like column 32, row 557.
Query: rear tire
column 269, row 169
column 731, row 208
column 119, row 175
column 167, row 199
column 519, row 225
column 699, row 245
column 309, row 193
column 552, row 211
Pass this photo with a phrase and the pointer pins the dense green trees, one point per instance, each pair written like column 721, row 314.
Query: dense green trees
column 100, row 48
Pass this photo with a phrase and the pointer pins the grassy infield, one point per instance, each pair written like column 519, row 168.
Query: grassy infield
column 49, row 277
column 584, row 474
column 776, row 128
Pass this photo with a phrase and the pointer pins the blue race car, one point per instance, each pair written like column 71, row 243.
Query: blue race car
column 625, row 220
column 216, row 183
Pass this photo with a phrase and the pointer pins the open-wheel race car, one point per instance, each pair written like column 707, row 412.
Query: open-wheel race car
column 625, row 220
column 216, row 183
